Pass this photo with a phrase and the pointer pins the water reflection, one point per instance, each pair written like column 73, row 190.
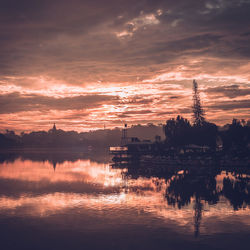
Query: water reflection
column 85, row 195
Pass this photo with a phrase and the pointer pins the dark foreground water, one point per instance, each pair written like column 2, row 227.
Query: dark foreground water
column 82, row 204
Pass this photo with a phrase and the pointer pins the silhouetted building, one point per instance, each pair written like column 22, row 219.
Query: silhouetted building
column 124, row 139
column 54, row 128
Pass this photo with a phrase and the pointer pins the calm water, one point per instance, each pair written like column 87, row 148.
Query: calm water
column 83, row 204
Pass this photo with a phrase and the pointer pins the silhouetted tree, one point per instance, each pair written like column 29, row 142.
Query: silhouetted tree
column 237, row 192
column 198, row 112
column 205, row 134
column 237, row 136
column 177, row 131
column 201, row 185
column 198, row 207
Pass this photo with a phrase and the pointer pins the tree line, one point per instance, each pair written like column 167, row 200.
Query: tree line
column 180, row 132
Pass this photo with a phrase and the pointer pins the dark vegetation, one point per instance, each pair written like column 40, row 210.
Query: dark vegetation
column 235, row 136
column 180, row 132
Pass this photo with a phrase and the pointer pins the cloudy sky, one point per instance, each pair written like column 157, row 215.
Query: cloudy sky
column 86, row 63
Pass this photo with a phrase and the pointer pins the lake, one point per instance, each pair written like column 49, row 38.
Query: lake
column 52, row 202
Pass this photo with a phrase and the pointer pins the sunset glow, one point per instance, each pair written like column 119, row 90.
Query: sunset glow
column 124, row 124
column 133, row 63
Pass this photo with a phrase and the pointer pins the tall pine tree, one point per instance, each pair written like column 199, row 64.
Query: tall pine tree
column 198, row 112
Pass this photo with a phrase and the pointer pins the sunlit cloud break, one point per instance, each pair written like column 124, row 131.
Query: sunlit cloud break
column 80, row 64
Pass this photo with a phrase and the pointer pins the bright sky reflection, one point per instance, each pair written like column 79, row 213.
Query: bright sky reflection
column 88, row 187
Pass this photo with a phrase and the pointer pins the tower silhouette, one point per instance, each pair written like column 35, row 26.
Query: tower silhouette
column 124, row 139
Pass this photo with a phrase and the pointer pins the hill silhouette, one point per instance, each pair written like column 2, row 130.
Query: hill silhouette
column 60, row 138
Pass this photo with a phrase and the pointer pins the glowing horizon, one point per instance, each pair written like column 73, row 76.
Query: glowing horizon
column 107, row 64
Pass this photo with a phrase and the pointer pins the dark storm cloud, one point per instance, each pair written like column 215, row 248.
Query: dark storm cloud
column 15, row 102
column 76, row 40
column 230, row 105
column 175, row 97
column 231, row 91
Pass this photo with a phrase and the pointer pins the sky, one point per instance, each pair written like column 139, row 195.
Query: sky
column 93, row 63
